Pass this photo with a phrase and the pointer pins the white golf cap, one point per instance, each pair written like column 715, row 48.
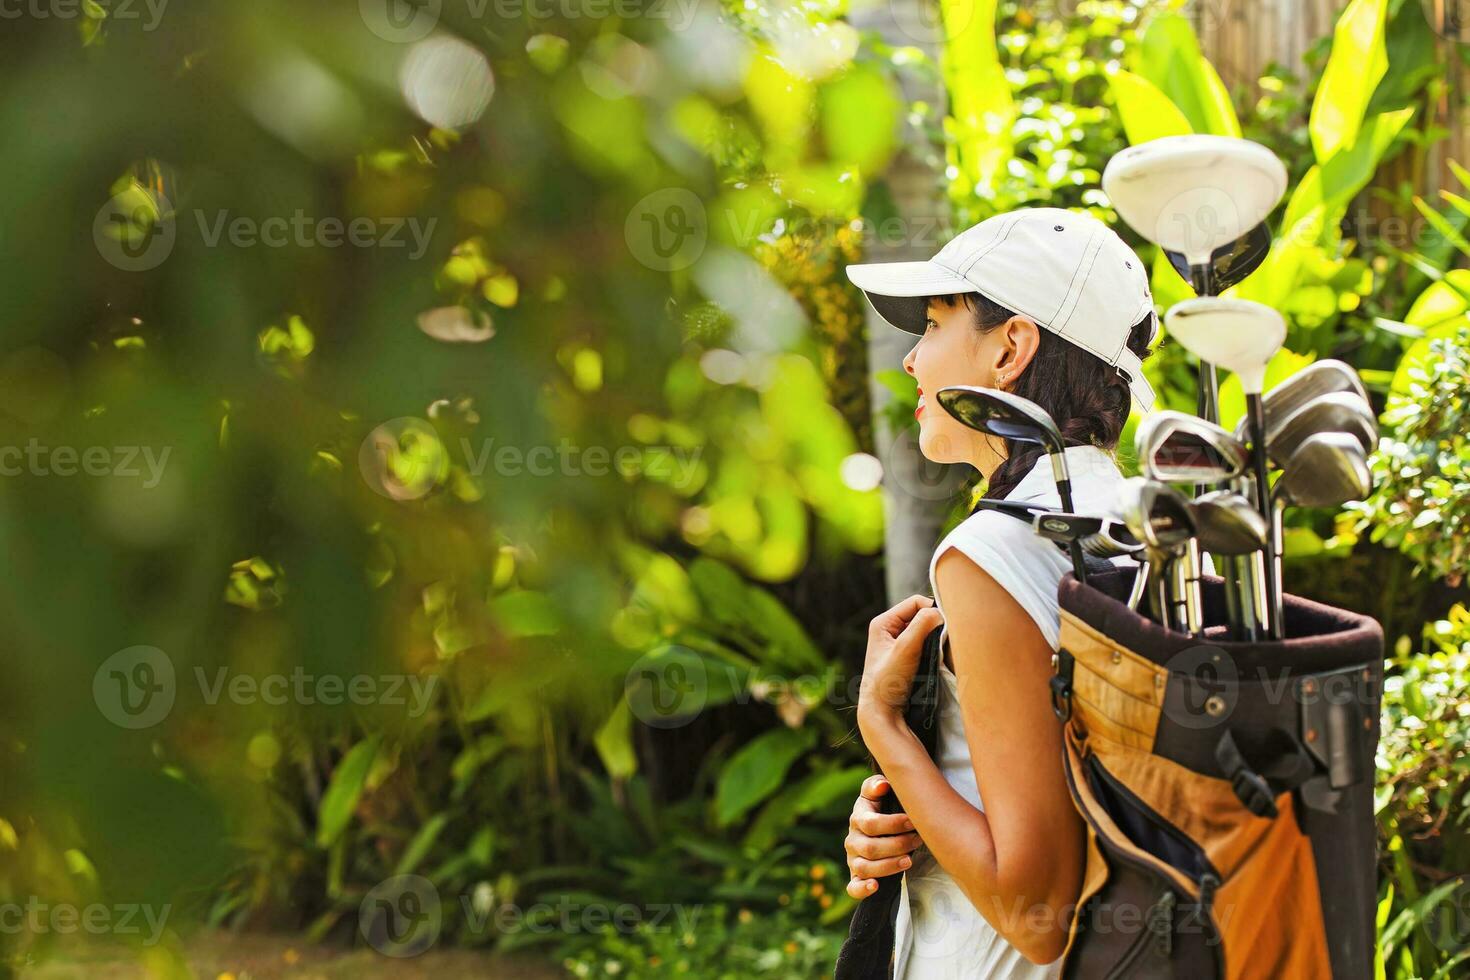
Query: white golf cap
column 1065, row 270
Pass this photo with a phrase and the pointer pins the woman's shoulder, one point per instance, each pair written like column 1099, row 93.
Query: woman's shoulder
column 987, row 536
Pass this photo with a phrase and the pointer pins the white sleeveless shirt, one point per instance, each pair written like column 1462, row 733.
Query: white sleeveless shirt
column 940, row 935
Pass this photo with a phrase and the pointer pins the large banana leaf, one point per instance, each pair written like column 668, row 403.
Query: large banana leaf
column 1147, row 113
column 980, row 95
column 1169, row 56
column 1357, row 64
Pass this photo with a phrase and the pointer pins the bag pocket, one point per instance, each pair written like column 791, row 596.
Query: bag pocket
column 1151, row 916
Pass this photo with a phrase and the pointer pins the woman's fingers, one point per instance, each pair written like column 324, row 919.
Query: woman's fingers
column 875, row 849
column 895, row 619
column 874, row 787
column 863, row 868
column 871, row 823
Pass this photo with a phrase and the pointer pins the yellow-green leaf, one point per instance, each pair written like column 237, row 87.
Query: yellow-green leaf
column 1357, row 64
column 1146, row 112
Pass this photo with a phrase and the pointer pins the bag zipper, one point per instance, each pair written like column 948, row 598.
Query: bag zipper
column 1129, row 853
column 1158, row 821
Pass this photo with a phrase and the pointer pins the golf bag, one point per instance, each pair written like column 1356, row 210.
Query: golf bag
column 1226, row 789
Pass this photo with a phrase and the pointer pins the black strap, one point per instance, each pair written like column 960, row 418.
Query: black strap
column 1026, row 512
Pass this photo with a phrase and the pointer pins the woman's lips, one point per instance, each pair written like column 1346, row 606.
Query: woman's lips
column 920, row 408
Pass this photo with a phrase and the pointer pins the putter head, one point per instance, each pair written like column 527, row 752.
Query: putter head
column 1193, row 194
column 1231, row 262
column 1316, row 379
column 1001, row 413
column 1327, row 470
column 1337, row 411
column 1175, row 447
column 1156, row 514
column 1229, row 524
column 1235, row 334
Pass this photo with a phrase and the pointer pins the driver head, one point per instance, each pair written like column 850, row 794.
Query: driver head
column 1235, row 334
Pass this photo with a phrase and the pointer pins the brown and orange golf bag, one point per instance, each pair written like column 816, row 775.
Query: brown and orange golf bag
column 1226, row 788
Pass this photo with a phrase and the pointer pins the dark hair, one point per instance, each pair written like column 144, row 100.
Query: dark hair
column 1087, row 397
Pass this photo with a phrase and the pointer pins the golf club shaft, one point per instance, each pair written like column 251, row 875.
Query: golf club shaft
column 1256, row 421
column 1064, row 493
column 1278, row 534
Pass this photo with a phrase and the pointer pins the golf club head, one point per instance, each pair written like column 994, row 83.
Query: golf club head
column 1193, row 194
column 1112, row 541
column 1235, row 334
column 1156, row 514
column 1337, row 411
column 1176, row 447
column 1316, row 379
column 1327, row 470
column 1229, row 524
column 1001, row 413
column 1231, row 262
column 1063, row 526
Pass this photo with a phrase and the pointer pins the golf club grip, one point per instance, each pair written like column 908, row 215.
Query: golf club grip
column 867, row 952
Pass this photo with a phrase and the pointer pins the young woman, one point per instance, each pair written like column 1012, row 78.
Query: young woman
column 1053, row 306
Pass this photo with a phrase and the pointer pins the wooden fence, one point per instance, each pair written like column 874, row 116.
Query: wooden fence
column 1243, row 37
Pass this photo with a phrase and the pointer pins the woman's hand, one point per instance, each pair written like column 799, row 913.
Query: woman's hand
column 895, row 642
column 878, row 844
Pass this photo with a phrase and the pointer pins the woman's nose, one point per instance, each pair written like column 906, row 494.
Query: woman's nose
column 908, row 359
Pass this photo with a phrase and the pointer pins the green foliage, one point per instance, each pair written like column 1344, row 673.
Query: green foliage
column 1421, row 498
column 1423, row 802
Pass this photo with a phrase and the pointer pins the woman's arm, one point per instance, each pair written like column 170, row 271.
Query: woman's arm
column 1020, row 861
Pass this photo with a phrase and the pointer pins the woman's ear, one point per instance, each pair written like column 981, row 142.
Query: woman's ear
column 1020, row 338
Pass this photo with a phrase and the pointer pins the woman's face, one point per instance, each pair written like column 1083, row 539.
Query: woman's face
column 953, row 352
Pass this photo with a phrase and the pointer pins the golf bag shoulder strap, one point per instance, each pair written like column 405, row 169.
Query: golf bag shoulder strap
column 1025, row 513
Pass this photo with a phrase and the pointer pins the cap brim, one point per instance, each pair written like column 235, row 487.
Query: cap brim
column 896, row 289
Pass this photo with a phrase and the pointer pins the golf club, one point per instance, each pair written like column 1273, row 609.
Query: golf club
column 1162, row 519
column 1316, row 379
column 1243, row 337
column 1178, row 448
column 1327, row 470
column 1232, row 529
column 1229, row 264
column 1338, row 411
column 1192, row 195
column 1009, row 416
